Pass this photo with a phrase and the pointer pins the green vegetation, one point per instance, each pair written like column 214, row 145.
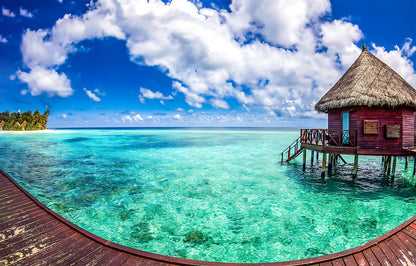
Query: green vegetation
column 24, row 121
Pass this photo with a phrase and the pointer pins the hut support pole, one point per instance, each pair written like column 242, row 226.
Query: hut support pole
column 331, row 157
column 393, row 171
column 355, row 170
column 414, row 167
column 312, row 154
column 323, row 165
column 406, row 162
column 304, row 159
column 388, row 165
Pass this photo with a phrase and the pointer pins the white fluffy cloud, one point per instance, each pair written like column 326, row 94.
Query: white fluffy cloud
column 7, row 12
column 279, row 55
column 148, row 94
column 25, row 13
column 3, row 39
column 92, row 96
column 40, row 80
column 132, row 118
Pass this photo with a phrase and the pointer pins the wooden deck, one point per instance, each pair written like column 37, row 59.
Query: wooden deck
column 31, row 234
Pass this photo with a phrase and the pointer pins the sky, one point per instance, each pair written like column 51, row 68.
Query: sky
column 192, row 63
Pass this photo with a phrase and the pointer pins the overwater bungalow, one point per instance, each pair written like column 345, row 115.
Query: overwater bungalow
column 371, row 111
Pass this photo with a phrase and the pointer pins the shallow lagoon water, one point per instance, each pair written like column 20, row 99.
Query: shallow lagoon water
column 216, row 195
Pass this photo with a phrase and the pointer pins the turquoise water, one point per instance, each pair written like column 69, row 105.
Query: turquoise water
column 216, row 195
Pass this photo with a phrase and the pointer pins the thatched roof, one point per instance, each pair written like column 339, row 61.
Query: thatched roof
column 371, row 83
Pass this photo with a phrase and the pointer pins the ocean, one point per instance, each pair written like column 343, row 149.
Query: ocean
column 208, row 194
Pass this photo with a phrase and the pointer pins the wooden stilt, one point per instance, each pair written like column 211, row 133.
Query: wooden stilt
column 312, row 154
column 406, row 162
column 355, row 170
column 388, row 165
column 331, row 157
column 393, row 171
column 317, row 155
column 414, row 167
column 342, row 159
column 304, row 159
column 323, row 165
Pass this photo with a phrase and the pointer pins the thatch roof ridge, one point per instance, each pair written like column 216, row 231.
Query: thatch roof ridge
column 368, row 82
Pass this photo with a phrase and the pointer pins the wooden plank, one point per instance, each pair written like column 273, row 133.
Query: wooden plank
column 381, row 257
column 109, row 256
column 117, row 259
column 371, row 259
column 70, row 249
column 408, row 241
column 16, row 231
column 17, row 212
column 326, row 263
column 30, row 237
column 350, row 261
column 51, row 247
column 410, row 232
column 27, row 252
column 92, row 258
column 360, row 259
column 399, row 252
column 389, row 254
column 90, row 247
column 338, row 262
column 133, row 261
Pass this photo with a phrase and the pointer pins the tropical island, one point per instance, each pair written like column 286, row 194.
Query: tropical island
column 23, row 121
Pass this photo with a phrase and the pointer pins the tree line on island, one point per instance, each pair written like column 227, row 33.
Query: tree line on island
column 24, row 121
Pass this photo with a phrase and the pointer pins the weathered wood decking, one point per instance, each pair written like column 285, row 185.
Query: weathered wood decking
column 31, row 234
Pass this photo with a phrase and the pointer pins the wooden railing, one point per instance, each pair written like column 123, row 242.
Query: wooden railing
column 343, row 138
column 321, row 137
column 292, row 151
column 314, row 136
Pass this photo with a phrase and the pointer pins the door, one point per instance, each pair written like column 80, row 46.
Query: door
column 345, row 135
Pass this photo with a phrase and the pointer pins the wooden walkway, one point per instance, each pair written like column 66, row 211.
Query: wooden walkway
column 31, row 234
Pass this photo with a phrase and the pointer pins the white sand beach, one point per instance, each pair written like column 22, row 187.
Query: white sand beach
column 28, row 131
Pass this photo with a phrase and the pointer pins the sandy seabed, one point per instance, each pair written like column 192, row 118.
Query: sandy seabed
column 28, row 131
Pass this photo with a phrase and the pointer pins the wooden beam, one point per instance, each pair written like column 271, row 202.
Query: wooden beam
column 393, row 171
column 355, row 169
column 406, row 162
column 312, row 154
column 323, row 165
column 304, row 159
column 388, row 165
column 414, row 167
column 331, row 157
column 342, row 159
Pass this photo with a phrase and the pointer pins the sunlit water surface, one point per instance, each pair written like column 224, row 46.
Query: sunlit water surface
column 216, row 195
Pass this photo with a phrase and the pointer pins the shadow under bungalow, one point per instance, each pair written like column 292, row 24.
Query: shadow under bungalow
column 371, row 111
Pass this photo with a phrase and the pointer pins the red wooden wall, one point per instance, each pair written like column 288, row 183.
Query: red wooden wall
column 405, row 118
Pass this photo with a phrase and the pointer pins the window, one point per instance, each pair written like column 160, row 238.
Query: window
column 393, row 132
column 371, row 127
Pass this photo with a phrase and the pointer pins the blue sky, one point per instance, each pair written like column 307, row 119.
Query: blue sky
column 135, row 63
